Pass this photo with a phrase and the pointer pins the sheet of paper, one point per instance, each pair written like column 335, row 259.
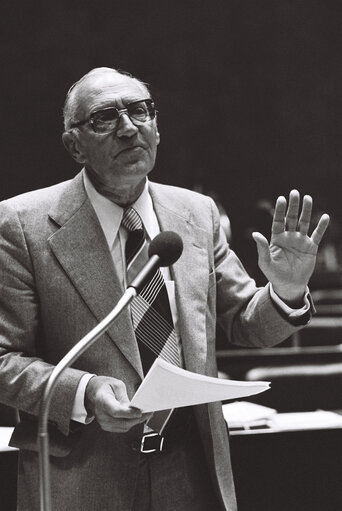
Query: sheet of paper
column 306, row 420
column 240, row 414
column 167, row 386
column 5, row 435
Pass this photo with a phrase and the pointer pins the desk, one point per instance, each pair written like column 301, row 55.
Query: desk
column 288, row 471
column 8, row 471
column 273, row 471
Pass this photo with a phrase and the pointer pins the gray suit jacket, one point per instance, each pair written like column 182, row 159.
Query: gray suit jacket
column 57, row 281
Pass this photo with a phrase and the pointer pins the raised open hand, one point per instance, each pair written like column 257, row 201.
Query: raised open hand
column 289, row 260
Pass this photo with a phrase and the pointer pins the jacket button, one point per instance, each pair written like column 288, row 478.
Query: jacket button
column 135, row 446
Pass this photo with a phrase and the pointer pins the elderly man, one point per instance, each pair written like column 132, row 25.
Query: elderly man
column 66, row 254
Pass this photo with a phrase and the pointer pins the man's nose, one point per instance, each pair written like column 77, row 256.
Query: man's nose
column 126, row 127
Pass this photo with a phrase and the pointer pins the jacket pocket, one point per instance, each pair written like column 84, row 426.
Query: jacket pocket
column 25, row 437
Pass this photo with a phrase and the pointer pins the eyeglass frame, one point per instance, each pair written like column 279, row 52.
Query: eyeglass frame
column 120, row 112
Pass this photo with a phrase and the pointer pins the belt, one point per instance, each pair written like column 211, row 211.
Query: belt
column 151, row 442
column 177, row 433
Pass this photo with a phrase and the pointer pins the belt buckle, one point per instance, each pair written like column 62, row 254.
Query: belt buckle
column 154, row 449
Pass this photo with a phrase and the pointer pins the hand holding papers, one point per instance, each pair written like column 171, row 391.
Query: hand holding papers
column 167, row 386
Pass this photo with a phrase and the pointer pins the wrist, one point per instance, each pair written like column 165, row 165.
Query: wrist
column 89, row 396
column 294, row 298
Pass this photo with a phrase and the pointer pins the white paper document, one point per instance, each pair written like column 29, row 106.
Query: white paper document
column 167, row 386
column 5, row 436
column 320, row 419
column 242, row 414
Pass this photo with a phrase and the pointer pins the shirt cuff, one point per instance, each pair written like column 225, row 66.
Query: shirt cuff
column 79, row 413
column 292, row 313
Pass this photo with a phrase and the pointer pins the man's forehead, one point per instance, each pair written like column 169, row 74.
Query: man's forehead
column 111, row 86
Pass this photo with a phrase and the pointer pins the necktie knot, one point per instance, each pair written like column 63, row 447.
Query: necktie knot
column 131, row 220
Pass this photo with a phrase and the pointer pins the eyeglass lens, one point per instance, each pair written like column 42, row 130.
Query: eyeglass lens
column 108, row 119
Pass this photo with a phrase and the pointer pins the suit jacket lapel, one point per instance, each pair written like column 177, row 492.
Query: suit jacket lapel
column 81, row 248
column 190, row 273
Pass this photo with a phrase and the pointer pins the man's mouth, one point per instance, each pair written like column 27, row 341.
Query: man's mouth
column 135, row 148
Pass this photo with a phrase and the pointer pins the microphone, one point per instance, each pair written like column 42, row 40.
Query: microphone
column 164, row 250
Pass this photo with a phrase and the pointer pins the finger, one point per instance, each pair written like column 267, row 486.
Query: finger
column 118, row 411
column 121, row 410
column 119, row 425
column 305, row 217
column 120, row 391
column 126, row 424
column 137, row 420
column 145, row 415
column 278, row 224
column 292, row 211
column 262, row 247
column 322, row 225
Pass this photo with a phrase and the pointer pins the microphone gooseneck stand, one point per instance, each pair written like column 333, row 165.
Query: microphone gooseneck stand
column 164, row 250
column 67, row 360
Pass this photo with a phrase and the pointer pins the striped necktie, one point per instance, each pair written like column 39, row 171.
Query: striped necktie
column 150, row 310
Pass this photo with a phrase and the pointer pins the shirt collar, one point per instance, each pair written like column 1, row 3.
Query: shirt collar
column 110, row 214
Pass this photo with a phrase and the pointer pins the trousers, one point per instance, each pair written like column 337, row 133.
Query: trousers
column 177, row 480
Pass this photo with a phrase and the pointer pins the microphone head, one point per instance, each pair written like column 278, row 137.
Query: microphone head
column 168, row 245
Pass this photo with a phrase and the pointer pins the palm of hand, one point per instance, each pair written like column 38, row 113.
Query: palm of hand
column 292, row 257
column 289, row 260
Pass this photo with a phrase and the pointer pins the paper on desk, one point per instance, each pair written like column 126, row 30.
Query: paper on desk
column 167, row 386
column 308, row 420
column 240, row 414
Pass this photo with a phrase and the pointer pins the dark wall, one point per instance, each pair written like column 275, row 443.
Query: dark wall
column 249, row 93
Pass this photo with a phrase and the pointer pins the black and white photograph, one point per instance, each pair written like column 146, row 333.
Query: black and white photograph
column 171, row 255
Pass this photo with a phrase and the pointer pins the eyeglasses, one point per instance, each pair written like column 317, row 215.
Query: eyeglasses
column 107, row 120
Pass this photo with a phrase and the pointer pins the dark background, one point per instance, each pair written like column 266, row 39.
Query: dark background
column 248, row 93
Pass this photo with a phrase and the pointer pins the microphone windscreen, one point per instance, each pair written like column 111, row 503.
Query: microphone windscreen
column 168, row 245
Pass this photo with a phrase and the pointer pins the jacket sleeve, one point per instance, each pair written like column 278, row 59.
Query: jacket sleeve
column 23, row 373
column 247, row 314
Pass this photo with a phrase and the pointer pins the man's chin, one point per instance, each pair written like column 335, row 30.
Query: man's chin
column 134, row 169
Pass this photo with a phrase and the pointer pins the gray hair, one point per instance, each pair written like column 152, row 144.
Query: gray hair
column 72, row 98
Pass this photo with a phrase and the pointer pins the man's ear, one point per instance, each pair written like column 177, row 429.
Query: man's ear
column 157, row 136
column 157, row 132
column 72, row 145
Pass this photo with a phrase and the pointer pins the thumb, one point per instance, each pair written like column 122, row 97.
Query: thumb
column 262, row 247
column 120, row 392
